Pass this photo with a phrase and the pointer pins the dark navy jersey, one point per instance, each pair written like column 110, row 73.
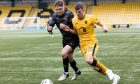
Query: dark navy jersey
column 66, row 18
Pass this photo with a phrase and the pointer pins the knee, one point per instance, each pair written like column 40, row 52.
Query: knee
column 64, row 55
column 89, row 60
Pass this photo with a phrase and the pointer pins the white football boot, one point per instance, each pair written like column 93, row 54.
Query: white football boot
column 76, row 75
column 63, row 77
column 114, row 77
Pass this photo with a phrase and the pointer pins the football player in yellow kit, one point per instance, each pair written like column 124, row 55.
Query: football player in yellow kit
column 84, row 26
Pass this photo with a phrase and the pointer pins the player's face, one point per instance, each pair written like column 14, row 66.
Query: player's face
column 80, row 13
column 59, row 10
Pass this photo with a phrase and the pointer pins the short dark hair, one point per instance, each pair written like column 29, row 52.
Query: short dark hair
column 59, row 3
column 79, row 5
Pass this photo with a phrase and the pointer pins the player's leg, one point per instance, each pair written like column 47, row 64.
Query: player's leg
column 65, row 59
column 68, row 51
column 90, row 58
column 66, row 55
column 51, row 32
column 74, row 66
column 72, row 44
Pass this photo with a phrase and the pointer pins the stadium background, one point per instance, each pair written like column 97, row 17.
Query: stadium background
column 112, row 12
column 28, row 54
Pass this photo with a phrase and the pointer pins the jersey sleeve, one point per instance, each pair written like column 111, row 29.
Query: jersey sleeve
column 73, row 22
column 52, row 21
column 71, row 15
column 95, row 20
column 69, row 20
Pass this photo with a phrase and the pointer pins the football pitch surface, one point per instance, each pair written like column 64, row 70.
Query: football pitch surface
column 28, row 57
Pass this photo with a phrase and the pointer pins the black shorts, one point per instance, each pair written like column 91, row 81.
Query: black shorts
column 71, row 42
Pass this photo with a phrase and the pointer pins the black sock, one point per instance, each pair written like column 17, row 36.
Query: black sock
column 73, row 65
column 94, row 62
column 65, row 64
column 100, row 71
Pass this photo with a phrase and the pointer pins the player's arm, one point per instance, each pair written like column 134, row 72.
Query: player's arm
column 66, row 28
column 51, row 23
column 105, row 29
column 96, row 21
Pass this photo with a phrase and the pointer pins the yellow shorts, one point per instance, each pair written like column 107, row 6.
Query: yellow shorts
column 92, row 50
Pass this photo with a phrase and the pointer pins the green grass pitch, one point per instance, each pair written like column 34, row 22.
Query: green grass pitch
column 27, row 57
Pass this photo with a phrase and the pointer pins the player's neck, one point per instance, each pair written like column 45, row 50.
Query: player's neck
column 82, row 17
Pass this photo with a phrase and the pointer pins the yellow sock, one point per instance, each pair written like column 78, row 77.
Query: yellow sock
column 102, row 67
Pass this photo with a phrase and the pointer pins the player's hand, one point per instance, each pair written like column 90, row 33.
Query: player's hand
column 105, row 30
column 64, row 27
column 49, row 28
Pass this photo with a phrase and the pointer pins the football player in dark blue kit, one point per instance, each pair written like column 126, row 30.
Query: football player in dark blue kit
column 70, row 41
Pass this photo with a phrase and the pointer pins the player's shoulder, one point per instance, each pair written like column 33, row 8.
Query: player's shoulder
column 68, row 12
column 55, row 15
column 75, row 19
column 90, row 16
